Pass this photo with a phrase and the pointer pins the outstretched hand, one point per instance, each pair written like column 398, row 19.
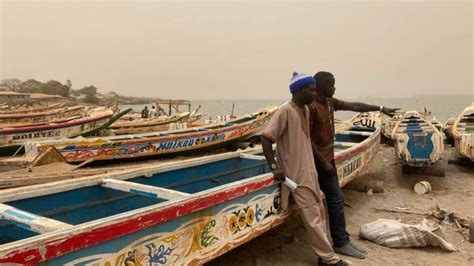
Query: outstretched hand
column 389, row 111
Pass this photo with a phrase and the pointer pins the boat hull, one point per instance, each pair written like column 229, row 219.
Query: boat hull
column 190, row 239
column 191, row 230
column 155, row 144
column 12, row 139
column 417, row 142
column 350, row 162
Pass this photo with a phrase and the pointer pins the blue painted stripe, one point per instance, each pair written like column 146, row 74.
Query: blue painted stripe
column 20, row 215
column 144, row 193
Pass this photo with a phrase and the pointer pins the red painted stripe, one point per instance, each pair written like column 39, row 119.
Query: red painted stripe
column 58, row 247
column 54, row 126
column 46, row 113
column 168, row 137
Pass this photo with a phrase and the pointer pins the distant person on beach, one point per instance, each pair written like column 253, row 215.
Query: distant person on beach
column 145, row 112
column 322, row 134
column 152, row 111
column 289, row 129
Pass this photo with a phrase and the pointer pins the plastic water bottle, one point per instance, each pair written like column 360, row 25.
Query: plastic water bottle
column 290, row 184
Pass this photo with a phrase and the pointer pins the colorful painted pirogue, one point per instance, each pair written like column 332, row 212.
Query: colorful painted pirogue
column 159, row 143
column 357, row 141
column 417, row 142
column 12, row 138
column 33, row 109
column 40, row 117
column 154, row 124
column 463, row 133
column 184, row 213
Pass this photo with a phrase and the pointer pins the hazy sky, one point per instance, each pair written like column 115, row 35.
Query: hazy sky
column 241, row 49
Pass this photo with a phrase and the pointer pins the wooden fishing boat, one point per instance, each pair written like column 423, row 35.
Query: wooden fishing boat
column 157, row 143
column 418, row 143
column 184, row 213
column 463, row 133
column 32, row 109
column 143, row 125
column 40, row 117
column 356, row 143
column 12, row 138
column 388, row 124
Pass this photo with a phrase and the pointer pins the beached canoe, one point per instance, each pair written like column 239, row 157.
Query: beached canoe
column 40, row 117
column 12, row 138
column 143, row 125
column 417, row 142
column 388, row 124
column 463, row 133
column 185, row 212
column 356, row 143
column 31, row 109
column 188, row 212
column 157, row 143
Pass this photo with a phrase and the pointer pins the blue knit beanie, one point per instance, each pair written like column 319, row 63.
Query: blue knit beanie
column 298, row 81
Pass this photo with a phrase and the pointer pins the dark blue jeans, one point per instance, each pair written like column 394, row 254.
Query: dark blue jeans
column 335, row 201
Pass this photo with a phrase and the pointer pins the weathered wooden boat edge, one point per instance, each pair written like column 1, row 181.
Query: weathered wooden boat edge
column 463, row 141
column 151, row 215
column 402, row 139
column 367, row 149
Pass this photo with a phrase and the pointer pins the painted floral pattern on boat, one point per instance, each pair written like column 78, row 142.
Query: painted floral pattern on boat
column 199, row 239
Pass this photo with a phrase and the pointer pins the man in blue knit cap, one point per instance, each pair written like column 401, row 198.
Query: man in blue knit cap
column 289, row 129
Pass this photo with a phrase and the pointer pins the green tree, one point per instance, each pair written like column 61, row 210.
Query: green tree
column 30, row 85
column 91, row 99
column 55, row 87
column 89, row 90
column 51, row 87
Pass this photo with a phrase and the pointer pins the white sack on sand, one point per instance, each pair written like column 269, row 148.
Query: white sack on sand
column 394, row 234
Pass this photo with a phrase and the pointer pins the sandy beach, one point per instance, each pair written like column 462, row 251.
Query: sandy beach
column 287, row 244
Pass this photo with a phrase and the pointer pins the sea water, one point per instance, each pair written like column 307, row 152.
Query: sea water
column 442, row 106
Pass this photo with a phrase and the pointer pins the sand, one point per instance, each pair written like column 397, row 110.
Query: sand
column 287, row 244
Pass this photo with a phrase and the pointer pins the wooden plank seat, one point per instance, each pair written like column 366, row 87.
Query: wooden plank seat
column 345, row 144
column 30, row 221
column 144, row 190
column 360, row 133
column 252, row 156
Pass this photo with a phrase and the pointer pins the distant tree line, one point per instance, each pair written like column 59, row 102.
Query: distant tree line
column 52, row 87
